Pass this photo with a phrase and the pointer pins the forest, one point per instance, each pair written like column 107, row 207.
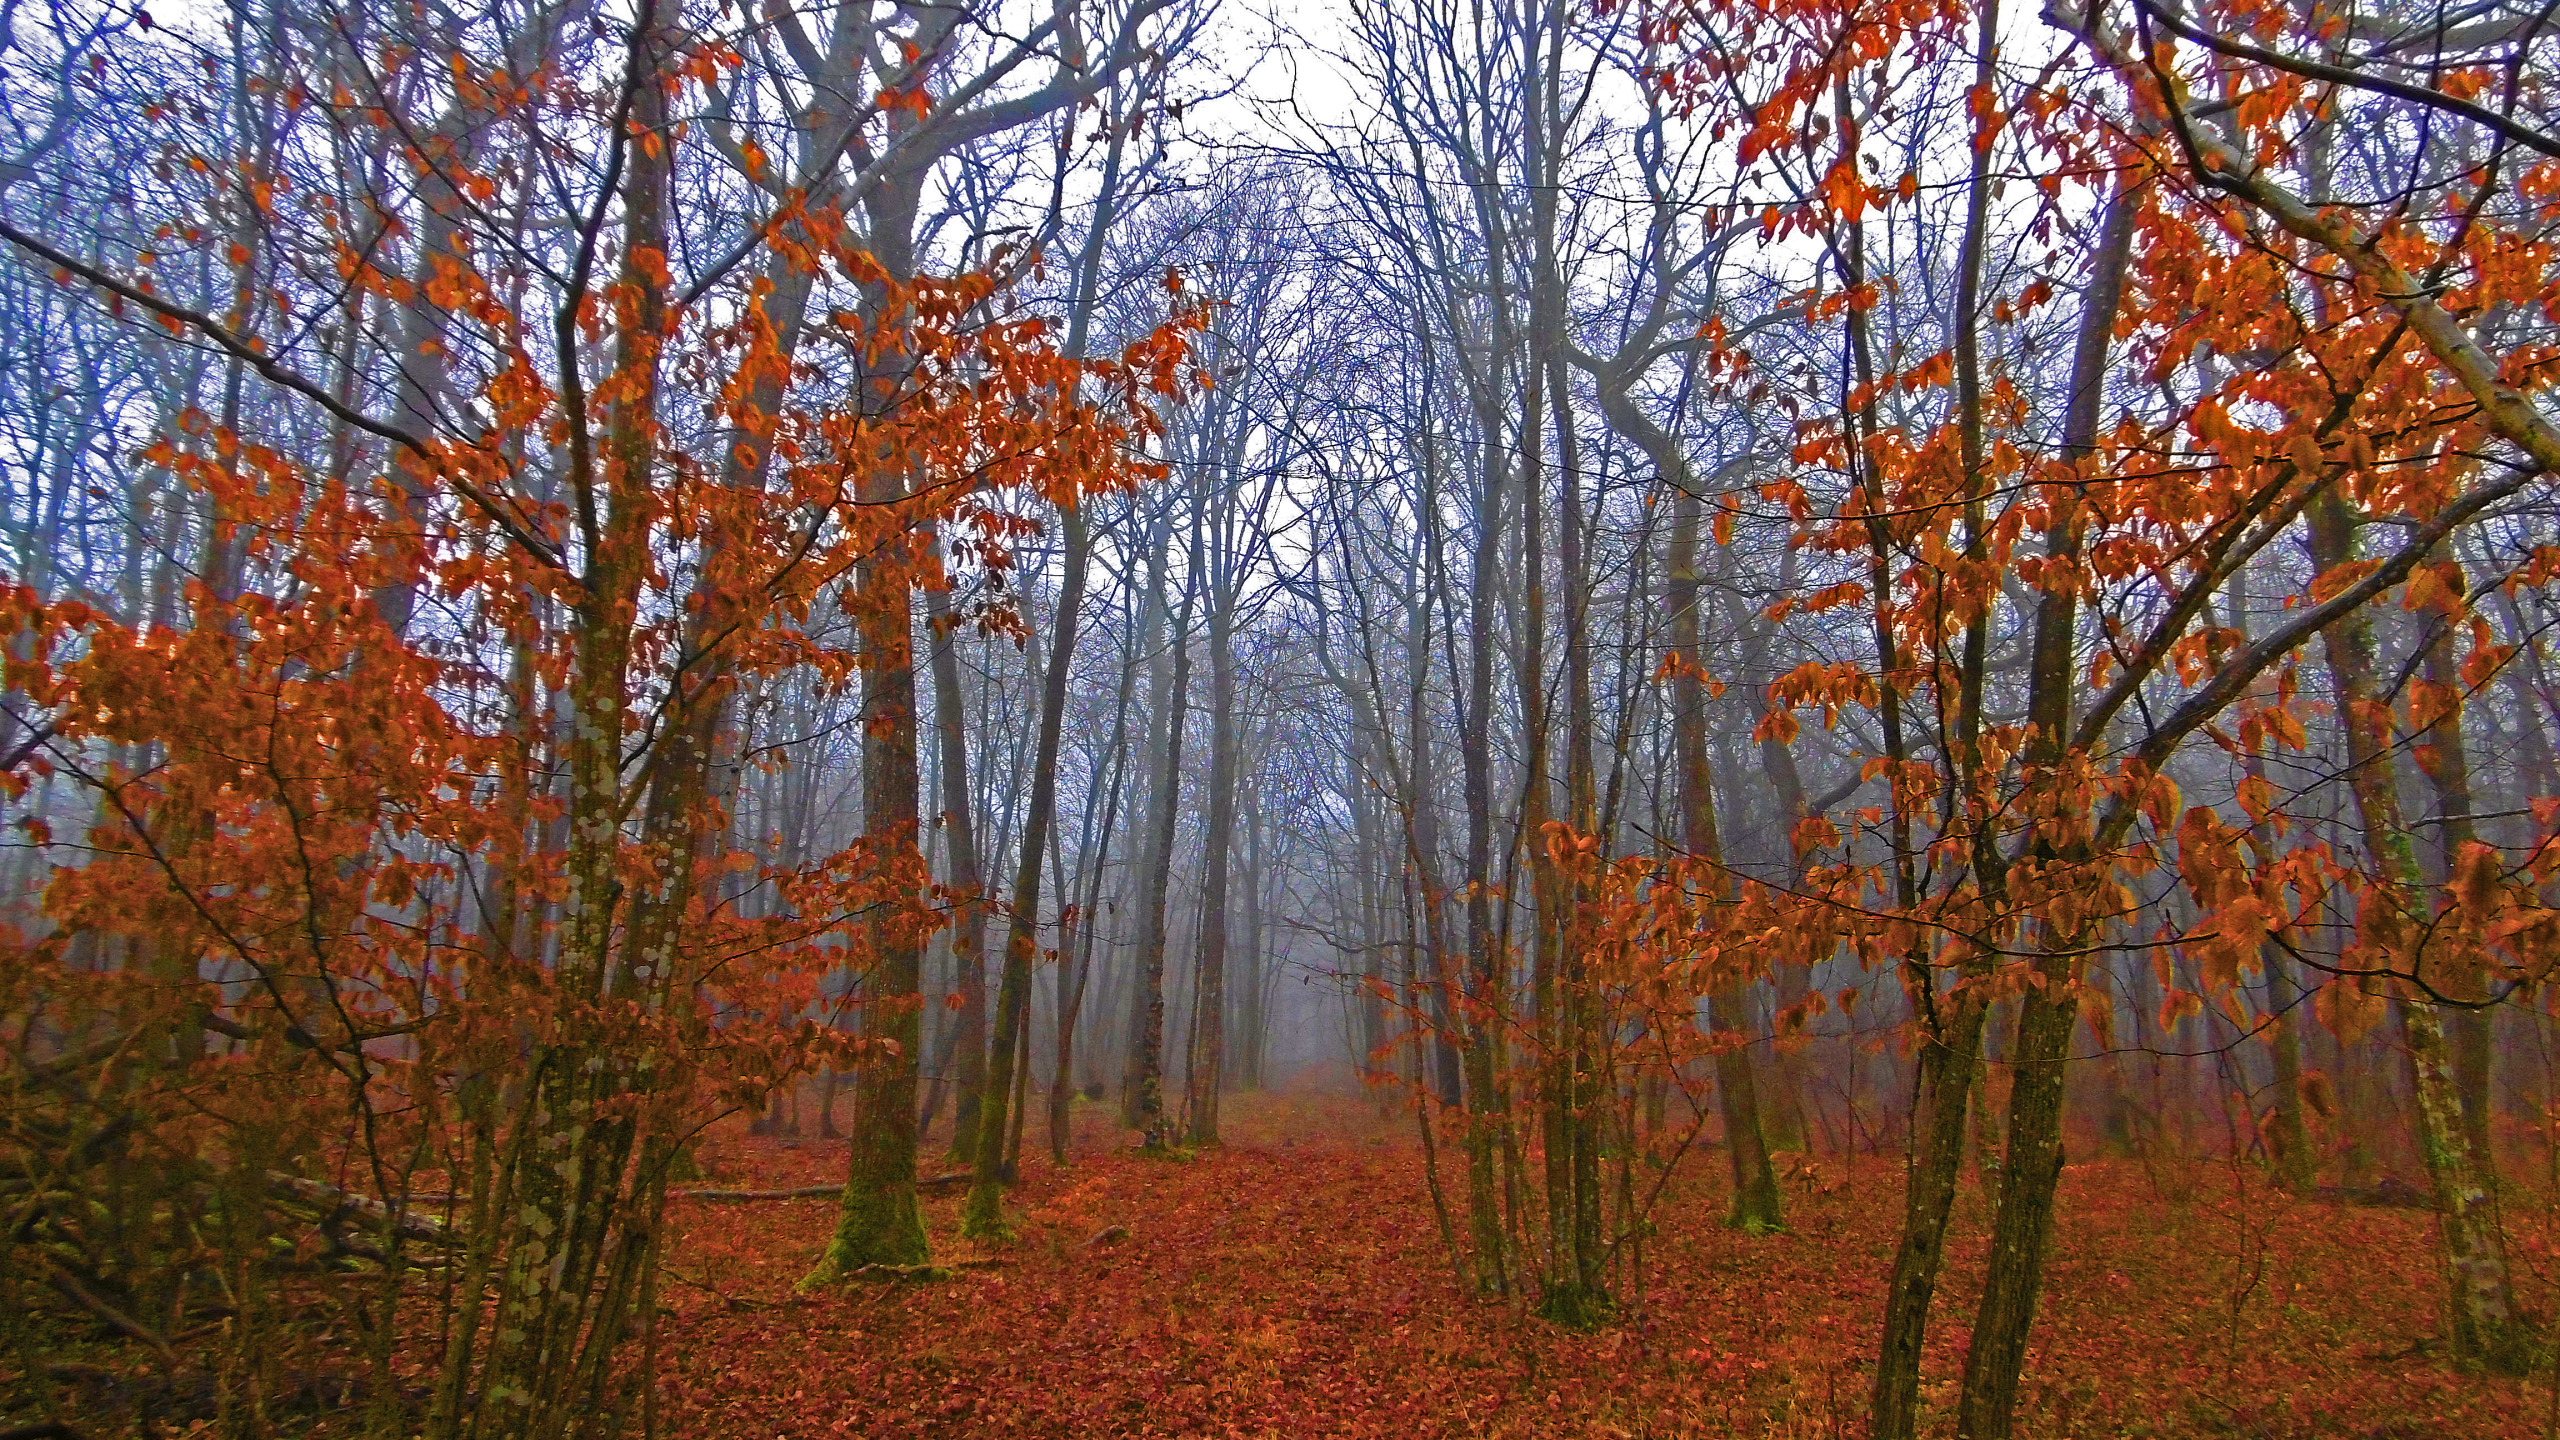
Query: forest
column 1634, row 718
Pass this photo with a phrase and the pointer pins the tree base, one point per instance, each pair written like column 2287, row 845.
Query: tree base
column 982, row 1216
column 875, row 1228
column 1754, row 1223
column 2514, row 1350
column 1576, row 1307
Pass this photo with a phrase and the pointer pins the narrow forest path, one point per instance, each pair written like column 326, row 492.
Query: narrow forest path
column 1292, row 1284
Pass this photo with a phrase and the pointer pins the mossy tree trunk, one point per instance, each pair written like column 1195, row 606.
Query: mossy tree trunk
column 2480, row 1319
column 878, row 1221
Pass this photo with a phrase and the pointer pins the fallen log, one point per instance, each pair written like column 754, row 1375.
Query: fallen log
column 812, row 1192
column 894, row 1273
column 48, row 1430
column 132, row 1329
column 332, row 1201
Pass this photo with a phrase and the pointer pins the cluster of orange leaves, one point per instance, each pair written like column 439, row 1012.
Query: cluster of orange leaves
column 314, row 833
column 2294, row 377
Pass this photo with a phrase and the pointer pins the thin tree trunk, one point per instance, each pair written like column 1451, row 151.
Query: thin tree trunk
column 1950, row 1026
column 2286, row 1135
column 968, row 1060
column 1757, row 1207
column 1096, row 842
column 2048, row 1013
column 1144, row 1078
column 2444, row 757
column 1209, row 993
column 996, row 1141
column 1250, row 1021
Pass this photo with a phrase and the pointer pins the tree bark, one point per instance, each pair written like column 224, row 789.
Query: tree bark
column 2048, row 1012
column 2287, row 1139
column 1097, row 846
column 879, row 1222
column 968, row 884
column 2444, row 758
column 1207, row 1069
column 1143, row 1079
column 984, row 1215
column 2480, row 1309
column 1757, row 1206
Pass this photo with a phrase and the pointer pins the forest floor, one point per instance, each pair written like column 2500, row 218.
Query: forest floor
column 1292, row 1283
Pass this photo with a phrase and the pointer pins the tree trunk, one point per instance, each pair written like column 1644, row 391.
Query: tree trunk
column 2287, row 1140
column 996, row 1140
column 1251, row 1023
column 2480, row 1320
column 2444, row 757
column 879, row 1222
column 1757, row 1207
column 1143, row 1080
column 1097, row 844
column 969, row 911
column 1208, row 1063
column 2029, row 1171
column 580, row 1243
column 1950, row 1046
column 2048, row 1012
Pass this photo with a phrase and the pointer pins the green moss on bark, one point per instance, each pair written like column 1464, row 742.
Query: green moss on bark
column 876, row 1225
